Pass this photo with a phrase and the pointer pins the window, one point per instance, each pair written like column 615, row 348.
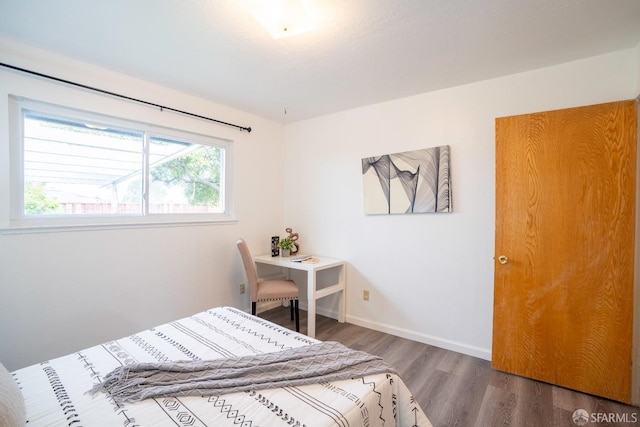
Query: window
column 70, row 166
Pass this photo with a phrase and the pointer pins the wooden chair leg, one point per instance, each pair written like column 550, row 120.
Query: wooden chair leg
column 291, row 306
column 297, row 316
column 253, row 308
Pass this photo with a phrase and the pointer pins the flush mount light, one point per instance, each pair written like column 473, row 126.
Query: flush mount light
column 283, row 18
column 97, row 127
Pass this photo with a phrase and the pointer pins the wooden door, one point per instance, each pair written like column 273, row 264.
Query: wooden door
column 564, row 260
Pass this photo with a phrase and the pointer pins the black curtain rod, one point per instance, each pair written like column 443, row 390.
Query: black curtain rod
column 106, row 92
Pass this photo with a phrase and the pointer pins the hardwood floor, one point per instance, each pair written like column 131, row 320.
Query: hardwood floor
column 459, row 390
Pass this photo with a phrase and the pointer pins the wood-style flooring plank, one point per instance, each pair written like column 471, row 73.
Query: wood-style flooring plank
column 456, row 390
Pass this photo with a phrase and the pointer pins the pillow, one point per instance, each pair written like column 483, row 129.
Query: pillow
column 12, row 411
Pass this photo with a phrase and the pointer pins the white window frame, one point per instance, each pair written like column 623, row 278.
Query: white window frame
column 20, row 222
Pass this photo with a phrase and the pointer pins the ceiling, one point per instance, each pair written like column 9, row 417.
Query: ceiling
column 363, row 51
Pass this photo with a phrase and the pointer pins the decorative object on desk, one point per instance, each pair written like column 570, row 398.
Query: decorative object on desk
column 275, row 249
column 408, row 182
column 286, row 245
column 293, row 237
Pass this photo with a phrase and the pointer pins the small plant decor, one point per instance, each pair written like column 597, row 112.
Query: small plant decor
column 286, row 244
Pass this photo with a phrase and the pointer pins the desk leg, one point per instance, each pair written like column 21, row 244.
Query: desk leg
column 342, row 279
column 311, row 304
column 287, row 275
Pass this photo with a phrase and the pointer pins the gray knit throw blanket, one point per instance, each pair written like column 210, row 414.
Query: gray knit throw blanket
column 311, row 364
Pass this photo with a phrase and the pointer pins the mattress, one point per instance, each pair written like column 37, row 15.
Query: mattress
column 56, row 391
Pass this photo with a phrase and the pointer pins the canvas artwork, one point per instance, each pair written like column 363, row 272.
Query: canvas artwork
column 406, row 183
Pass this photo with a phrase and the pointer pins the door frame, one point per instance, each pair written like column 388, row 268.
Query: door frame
column 635, row 361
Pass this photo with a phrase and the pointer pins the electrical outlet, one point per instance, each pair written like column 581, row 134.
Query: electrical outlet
column 242, row 288
column 365, row 295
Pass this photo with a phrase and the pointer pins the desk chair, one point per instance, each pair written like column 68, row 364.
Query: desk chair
column 268, row 290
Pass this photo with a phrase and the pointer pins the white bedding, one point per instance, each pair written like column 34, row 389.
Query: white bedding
column 55, row 391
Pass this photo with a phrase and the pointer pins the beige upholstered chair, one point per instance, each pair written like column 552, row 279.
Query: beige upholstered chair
column 268, row 290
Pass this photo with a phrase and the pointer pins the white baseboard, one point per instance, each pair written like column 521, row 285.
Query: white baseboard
column 267, row 305
column 319, row 310
column 469, row 350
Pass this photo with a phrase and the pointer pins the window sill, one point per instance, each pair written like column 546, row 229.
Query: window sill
column 54, row 226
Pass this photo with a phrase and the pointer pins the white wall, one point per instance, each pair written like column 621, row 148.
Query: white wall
column 430, row 275
column 61, row 292
column 638, row 69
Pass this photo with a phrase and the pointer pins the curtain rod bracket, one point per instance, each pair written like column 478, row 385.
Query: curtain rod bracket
column 106, row 92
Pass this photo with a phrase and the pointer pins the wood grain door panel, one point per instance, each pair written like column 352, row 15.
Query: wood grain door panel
column 565, row 211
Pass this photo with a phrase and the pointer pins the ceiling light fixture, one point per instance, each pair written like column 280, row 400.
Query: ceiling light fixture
column 91, row 126
column 283, row 18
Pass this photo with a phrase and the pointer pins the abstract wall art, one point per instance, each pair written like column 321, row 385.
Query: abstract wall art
column 406, row 183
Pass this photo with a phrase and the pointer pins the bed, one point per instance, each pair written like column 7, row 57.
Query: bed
column 56, row 392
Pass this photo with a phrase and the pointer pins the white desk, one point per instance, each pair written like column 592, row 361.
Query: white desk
column 312, row 293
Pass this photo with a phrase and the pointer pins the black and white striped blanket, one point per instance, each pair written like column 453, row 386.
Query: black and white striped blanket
column 55, row 391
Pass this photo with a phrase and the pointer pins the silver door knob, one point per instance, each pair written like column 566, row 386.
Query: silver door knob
column 503, row 259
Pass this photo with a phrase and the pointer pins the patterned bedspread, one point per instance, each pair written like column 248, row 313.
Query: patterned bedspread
column 56, row 391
